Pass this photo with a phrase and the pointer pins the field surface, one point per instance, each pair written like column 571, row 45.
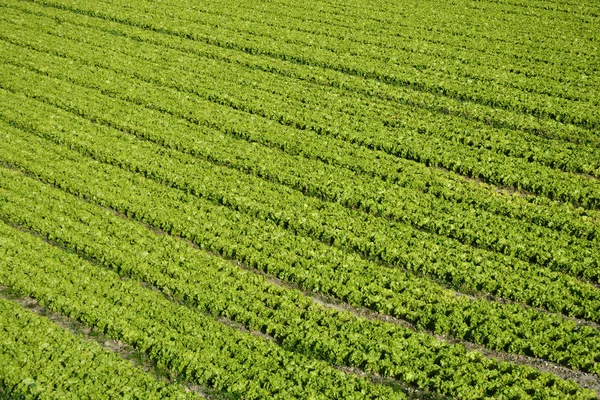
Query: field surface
column 277, row 199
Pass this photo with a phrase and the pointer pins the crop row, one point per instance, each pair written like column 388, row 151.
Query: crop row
column 177, row 178
column 425, row 148
column 354, row 157
column 375, row 239
column 38, row 359
column 477, row 140
column 286, row 45
column 465, row 268
column 274, row 98
column 394, row 24
column 175, row 337
column 399, row 50
column 577, row 10
column 223, row 289
column 309, row 264
column 378, row 16
column 320, row 76
column 405, row 30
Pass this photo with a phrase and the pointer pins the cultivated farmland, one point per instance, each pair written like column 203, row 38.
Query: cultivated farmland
column 276, row 199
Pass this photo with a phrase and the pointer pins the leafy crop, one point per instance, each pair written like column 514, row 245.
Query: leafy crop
column 41, row 360
column 195, row 178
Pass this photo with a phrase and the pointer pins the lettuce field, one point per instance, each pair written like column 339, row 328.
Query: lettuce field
column 277, row 199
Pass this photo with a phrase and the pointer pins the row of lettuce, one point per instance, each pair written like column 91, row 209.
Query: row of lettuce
column 149, row 99
column 169, row 102
column 498, row 155
column 463, row 267
column 387, row 27
column 262, row 244
column 566, row 295
column 402, row 53
column 116, row 125
column 341, row 109
column 39, row 359
column 423, row 45
column 336, row 54
column 400, row 96
column 155, row 72
column 194, row 346
column 63, row 271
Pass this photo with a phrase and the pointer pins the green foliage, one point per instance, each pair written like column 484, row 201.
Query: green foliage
column 270, row 248
column 406, row 196
column 364, row 151
column 38, row 359
column 190, row 344
column 354, row 283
